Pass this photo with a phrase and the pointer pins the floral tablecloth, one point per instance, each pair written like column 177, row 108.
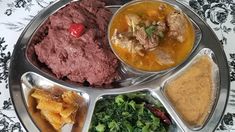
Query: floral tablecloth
column 16, row 14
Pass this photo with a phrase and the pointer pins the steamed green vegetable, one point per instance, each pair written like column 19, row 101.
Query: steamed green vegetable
column 127, row 113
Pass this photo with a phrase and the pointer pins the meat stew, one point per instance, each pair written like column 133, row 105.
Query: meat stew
column 151, row 35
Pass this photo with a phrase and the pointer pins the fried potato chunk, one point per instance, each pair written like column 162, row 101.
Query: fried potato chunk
column 57, row 109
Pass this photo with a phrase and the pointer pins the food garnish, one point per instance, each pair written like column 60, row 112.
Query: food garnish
column 158, row 113
column 58, row 109
column 76, row 29
column 128, row 113
column 150, row 30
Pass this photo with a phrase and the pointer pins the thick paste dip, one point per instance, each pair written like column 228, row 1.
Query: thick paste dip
column 191, row 93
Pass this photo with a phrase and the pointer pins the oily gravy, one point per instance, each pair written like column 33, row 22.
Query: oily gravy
column 165, row 51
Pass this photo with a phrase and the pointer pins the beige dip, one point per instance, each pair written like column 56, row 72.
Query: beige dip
column 191, row 92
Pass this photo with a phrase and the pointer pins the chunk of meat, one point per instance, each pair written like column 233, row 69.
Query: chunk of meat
column 147, row 42
column 163, row 57
column 161, row 26
column 121, row 39
column 125, row 41
column 177, row 26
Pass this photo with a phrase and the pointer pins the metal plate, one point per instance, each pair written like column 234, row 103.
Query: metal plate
column 206, row 40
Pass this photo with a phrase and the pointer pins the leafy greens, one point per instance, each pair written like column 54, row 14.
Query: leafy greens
column 126, row 113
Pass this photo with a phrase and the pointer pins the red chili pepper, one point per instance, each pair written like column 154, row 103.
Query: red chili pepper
column 76, row 29
column 158, row 113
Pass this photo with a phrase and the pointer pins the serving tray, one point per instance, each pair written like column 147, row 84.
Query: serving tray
column 24, row 74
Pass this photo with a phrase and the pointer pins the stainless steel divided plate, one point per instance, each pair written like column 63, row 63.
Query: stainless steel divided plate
column 25, row 74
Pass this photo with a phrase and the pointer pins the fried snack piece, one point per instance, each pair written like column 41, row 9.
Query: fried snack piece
column 57, row 109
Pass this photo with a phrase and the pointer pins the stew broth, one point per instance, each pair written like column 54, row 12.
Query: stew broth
column 150, row 11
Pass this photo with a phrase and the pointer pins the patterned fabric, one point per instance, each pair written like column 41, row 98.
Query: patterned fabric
column 16, row 14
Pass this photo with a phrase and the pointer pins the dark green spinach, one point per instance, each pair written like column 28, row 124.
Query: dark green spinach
column 126, row 113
